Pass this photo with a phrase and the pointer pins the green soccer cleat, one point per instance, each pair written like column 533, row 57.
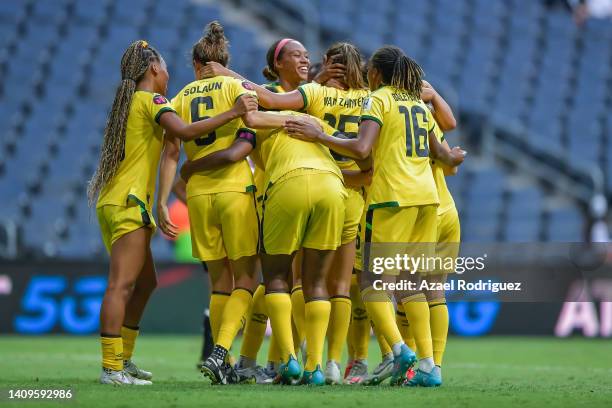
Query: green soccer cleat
column 315, row 377
column 423, row 379
column 401, row 364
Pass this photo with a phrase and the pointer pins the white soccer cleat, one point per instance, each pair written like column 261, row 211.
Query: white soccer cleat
column 383, row 371
column 332, row 373
column 358, row 372
column 133, row 370
column 113, row 377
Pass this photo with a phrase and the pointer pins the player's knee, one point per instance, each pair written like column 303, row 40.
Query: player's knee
column 120, row 288
column 437, row 295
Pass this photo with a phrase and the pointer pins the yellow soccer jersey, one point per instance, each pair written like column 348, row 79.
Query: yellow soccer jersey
column 203, row 99
column 446, row 199
column 281, row 154
column 339, row 108
column 402, row 174
column 137, row 173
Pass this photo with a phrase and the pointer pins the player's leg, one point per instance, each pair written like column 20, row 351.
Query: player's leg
column 127, row 244
column 339, row 284
column 321, row 238
column 237, row 216
column 297, row 302
column 317, row 309
column 414, row 303
column 144, row 287
column 254, row 330
column 359, row 336
column 285, row 216
column 385, row 226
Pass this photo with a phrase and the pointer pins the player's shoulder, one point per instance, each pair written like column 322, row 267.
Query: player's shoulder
column 274, row 86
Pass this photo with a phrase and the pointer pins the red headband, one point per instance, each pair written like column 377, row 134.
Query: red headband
column 280, row 46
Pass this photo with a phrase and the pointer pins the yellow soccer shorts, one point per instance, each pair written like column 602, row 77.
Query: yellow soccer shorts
column 448, row 238
column 117, row 220
column 223, row 225
column 353, row 209
column 304, row 209
column 390, row 232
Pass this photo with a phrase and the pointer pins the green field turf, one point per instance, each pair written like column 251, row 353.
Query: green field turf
column 499, row 372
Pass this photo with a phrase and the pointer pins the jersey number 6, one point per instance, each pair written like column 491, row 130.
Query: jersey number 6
column 195, row 117
column 415, row 134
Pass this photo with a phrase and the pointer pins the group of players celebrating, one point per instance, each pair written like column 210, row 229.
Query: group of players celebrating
column 288, row 186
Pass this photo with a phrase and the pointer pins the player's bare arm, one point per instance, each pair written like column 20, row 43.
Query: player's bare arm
column 441, row 109
column 358, row 148
column 176, row 127
column 167, row 172
column 239, row 150
column 450, row 157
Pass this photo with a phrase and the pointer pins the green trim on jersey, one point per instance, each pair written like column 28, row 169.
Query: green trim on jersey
column 368, row 117
column 304, row 97
column 383, row 205
column 162, row 110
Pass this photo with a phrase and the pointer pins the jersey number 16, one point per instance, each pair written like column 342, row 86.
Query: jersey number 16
column 415, row 134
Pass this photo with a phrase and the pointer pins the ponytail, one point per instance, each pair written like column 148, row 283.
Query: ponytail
column 212, row 46
column 134, row 64
column 399, row 70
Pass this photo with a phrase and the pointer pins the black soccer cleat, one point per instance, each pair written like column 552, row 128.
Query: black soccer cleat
column 214, row 366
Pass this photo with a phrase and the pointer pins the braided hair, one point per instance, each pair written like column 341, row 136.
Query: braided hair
column 134, row 64
column 398, row 70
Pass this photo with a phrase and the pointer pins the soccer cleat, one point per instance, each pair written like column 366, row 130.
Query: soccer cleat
column 133, row 370
column 113, row 377
column 214, row 367
column 381, row 372
column 332, row 373
column 348, row 367
column 358, row 372
column 410, row 374
column 289, row 372
column 401, row 364
column 315, row 377
column 236, row 377
column 260, row 374
column 423, row 379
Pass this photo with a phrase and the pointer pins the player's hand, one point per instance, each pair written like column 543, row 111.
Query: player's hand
column 245, row 104
column 213, row 69
column 330, row 70
column 427, row 92
column 303, row 129
column 165, row 224
column 186, row 171
column 457, row 155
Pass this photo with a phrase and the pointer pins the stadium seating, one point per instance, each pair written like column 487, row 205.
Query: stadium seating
column 514, row 61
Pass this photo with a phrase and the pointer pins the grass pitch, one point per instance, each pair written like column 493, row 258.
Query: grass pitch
column 494, row 371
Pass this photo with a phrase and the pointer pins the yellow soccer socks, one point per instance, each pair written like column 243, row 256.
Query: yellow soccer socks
column 218, row 301
column 339, row 320
column 317, row 318
column 128, row 337
column 438, row 319
column 417, row 313
column 112, row 352
column 279, row 312
column 236, row 308
column 255, row 329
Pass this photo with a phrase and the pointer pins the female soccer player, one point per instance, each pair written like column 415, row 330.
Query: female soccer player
column 222, row 214
column 395, row 213
column 340, row 108
column 303, row 208
column 287, row 65
column 124, row 185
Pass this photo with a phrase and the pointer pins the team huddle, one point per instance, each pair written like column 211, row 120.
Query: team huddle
column 291, row 187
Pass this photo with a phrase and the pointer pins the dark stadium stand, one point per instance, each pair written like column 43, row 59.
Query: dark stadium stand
column 525, row 68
